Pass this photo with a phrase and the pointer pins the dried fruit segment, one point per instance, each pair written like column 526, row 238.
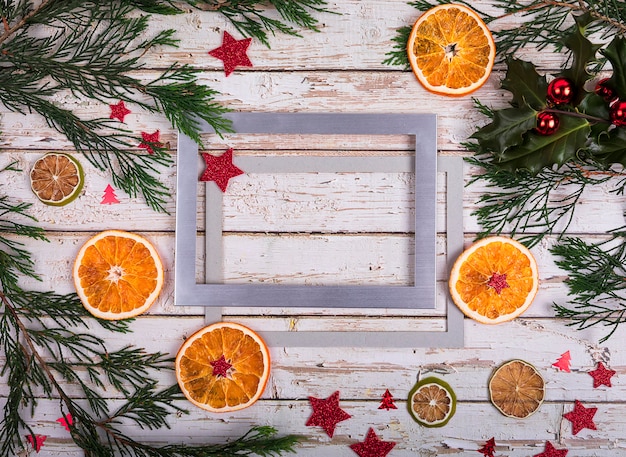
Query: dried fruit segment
column 432, row 402
column 494, row 280
column 223, row 367
column 451, row 50
column 117, row 275
column 56, row 179
column 517, row 389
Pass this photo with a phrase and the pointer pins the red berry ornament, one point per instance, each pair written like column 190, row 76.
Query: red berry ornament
column 604, row 90
column 547, row 123
column 618, row 113
column 561, row 91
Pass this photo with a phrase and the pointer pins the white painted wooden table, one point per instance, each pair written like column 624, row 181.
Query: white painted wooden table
column 337, row 70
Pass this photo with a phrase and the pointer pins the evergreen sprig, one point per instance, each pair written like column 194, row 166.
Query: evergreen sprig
column 93, row 48
column 530, row 206
column 596, row 273
column 48, row 344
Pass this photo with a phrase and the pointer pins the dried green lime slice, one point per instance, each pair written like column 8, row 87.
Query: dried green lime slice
column 57, row 179
column 432, row 402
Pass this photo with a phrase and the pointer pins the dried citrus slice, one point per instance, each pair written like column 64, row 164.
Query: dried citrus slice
column 451, row 50
column 117, row 275
column 494, row 280
column 223, row 367
column 432, row 402
column 517, row 389
column 56, row 179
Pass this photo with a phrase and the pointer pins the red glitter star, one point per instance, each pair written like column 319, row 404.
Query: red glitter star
column 551, row 451
column 150, row 140
column 601, row 376
column 581, row 417
column 220, row 169
column 232, row 52
column 36, row 441
column 372, row 446
column 489, row 448
column 327, row 413
column 220, row 367
column 498, row 282
column 387, row 402
column 119, row 111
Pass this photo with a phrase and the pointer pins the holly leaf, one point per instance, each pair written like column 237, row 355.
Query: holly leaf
column 594, row 105
column 583, row 52
column 610, row 147
column 526, row 85
column 507, row 129
column 615, row 52
column 539, row 151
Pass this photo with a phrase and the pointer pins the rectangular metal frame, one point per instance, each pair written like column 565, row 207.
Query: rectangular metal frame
column 421, row 294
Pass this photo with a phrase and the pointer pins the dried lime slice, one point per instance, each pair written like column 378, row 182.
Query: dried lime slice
column 432, row 402
column 57, row 179
column 517, row 389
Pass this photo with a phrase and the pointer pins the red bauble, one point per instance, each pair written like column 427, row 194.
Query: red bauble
column 618, row 113
column 604, row 90
column 547, row 123
column 561, row 91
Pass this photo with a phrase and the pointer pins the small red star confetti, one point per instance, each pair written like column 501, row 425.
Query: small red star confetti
column 220, row 169
column 66, row 421
column 601, row 376
column 498, row 282
column 233, row 53
column 387, row 402
column 119, row 111
column 551, row 451
column 372, row 446
column 36, row 441
column 220, row 367
column 563, row 362
column 150, row 140
column 581, row 417
column 489, row 448
column 327, row 413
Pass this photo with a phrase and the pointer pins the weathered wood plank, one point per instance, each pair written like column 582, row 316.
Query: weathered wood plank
column 514, row 437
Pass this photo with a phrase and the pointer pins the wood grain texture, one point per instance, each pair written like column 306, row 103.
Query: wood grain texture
column 353, row 228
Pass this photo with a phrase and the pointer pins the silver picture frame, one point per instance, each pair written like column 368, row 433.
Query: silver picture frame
column 421, row 294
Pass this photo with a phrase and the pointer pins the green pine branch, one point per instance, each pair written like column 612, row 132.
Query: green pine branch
column 595, row 281
column 93, row 51
column 531, row 206
column 48, row 344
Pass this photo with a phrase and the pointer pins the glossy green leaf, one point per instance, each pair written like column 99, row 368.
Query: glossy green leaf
column 583, row 54
column 526, row 85
column 610, row 147
column 506, row 130
column 616, row 53
column 538, row 151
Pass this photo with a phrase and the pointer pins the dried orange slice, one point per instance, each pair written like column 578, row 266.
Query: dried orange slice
column 223, row 367
column 117, row 275
column 494, row 280
column 451, row 50
column 517, row 389
column 56, row 179
column 432, row 402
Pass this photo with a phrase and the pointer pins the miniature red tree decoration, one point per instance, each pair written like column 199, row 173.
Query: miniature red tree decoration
column 109, row 196
column 563, row 362
column 387, row 402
